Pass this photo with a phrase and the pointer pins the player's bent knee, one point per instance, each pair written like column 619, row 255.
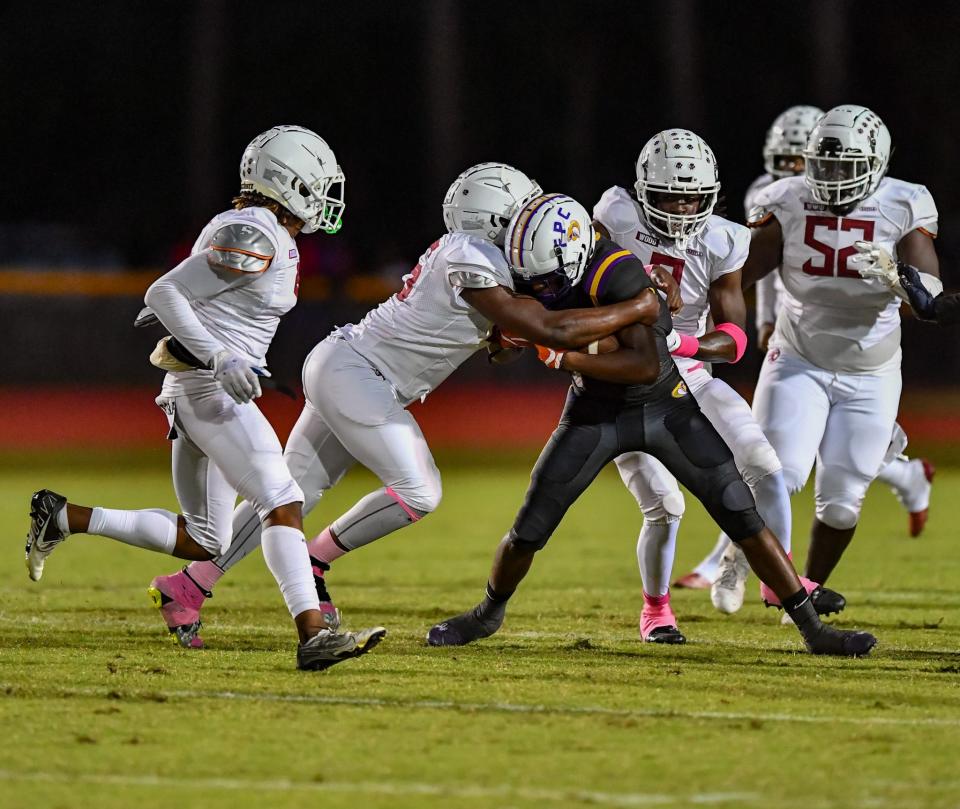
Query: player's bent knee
column 421, row 499
column 759, row 461
column 738, row 515
column 840, row 516
column 667, row 509
column 526, row 545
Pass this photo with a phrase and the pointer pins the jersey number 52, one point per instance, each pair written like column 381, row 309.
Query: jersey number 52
column 834, row 261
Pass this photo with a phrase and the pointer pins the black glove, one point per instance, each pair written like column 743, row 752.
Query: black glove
column 921, row 300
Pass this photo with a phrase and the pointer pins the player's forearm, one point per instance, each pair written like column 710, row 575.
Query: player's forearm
column 625, row 367
column 717, row 346
column 173, row 309
column 575, row 328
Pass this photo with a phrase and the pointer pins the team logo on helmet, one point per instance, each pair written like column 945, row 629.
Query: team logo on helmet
column 573, row 231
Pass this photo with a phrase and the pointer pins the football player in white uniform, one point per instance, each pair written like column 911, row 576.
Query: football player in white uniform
column 359, row 381
column 671, row 223
column 830, row 385
column 910, row 479
column 222, row 306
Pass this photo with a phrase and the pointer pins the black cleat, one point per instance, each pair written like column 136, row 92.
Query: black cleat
column 465, row 628
column 44, row 534
column 841, row 642
column 665, row 634
column 826, row 601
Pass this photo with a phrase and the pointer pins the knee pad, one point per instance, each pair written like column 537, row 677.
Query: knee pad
column 738, row 516
column 759, row 460
column 526, row 545
column 667, row 509
column 840, row 516
column 422, row 498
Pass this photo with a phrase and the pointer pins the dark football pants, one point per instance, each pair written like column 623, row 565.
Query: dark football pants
column 592, row 432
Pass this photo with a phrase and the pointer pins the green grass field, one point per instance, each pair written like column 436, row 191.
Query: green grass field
column 564, row 707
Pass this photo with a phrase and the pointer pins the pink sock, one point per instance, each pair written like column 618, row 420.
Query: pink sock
column 656, row 602
column 206, row 574
column 324, row 548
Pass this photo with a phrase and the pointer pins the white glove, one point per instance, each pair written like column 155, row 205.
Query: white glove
column 873, row 261
column 239, row 378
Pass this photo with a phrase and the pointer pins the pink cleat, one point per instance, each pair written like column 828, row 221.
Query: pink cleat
column 658, row 624
column 692, row 581
column 179, row 599
column 825, row 601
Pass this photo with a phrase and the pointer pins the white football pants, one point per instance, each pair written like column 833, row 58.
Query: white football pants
column 842, row 422
column 223, row 449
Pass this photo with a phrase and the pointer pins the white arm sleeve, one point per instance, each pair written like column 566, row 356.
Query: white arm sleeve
column 169, row 297
column 767, row 299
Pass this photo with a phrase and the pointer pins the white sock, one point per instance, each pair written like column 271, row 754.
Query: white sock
column 152, row 528
column 62, row 522
column 285, row 552
column 897, row 474
column 709, row 568
column 773, row 505
column 655, row 551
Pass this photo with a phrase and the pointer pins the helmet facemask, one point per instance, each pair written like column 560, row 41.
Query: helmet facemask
column 839, row 178
column 677, row 226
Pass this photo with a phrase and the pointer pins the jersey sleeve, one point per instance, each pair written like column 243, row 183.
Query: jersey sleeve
column 476, row 264
column 769, row 203
column 728, row 245
column 618, row 278
column 922, row 212
column 616, row 212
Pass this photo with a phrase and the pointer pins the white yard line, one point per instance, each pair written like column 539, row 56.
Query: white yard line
column 452, row 790
column 499, row 707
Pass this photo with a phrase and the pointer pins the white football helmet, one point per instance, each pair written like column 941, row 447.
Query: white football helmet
column 483, row 199
column 846, row 156
column 676, row 161
column 550, row 239
column 787, row 137
column 294, row 167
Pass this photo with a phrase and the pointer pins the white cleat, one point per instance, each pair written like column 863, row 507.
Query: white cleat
column 728, row 590
column 44, row 534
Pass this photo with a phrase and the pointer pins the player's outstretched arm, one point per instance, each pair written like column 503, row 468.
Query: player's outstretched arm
column 570, row 328
column 636, row 363
column 766, row 250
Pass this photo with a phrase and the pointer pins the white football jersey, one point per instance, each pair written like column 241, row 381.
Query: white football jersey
column 419, row 336
column 831, row 316
column 720, row 248
column 244, row 314
column 769, row 289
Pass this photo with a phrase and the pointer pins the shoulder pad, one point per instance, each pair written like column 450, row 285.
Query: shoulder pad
column 616, row 211
column 469, row 279
column 758, row 216
column 241, row 248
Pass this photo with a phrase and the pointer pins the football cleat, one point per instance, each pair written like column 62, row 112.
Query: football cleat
column 328, row 648
column 728, row 590
column 331, row 615
column 692, row 581
column 825, row 601
column 465, row 628
column 44, row 534
column 179, row 599
column 841, row 642
column 658, row 624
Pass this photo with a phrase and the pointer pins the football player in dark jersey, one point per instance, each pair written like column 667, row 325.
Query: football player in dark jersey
column 630, row 399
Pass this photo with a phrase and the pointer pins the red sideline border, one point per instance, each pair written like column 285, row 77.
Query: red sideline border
column 467, row 416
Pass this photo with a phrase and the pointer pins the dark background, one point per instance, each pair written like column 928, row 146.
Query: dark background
column 124, row 122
